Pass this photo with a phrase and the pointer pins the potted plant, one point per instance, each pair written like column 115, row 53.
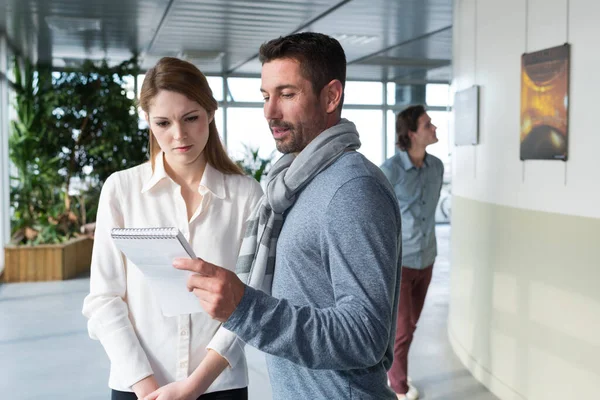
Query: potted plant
column 73, row 129
column 253, row 164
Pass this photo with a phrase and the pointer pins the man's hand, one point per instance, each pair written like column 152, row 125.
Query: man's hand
column 218, row 289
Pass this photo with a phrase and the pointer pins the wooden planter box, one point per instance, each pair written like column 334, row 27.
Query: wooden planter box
column 48, row 262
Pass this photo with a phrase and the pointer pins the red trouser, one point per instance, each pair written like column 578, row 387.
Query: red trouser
column 413, row 289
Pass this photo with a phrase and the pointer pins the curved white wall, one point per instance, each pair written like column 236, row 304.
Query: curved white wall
column 525, row 295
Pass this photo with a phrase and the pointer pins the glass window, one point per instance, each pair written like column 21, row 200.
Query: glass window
column 248, row 127
column 391, row 93
column 437, row 94
column 219, row 122
column 391, row 134
column 245, row 89
column 441, row 149
column 363, row 92
column 216, row 85
column 129, row 86
column 140, row 81
column 369, row 125
column 142, row 123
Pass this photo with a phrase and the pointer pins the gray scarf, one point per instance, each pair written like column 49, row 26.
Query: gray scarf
column 288, row 176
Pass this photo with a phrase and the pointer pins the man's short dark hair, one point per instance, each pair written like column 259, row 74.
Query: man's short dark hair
column 321, row 57
column 407, row 120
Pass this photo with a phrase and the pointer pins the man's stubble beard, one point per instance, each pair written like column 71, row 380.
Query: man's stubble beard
column 300, row 136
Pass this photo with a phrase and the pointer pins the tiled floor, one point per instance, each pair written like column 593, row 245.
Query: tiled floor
column 45, row 352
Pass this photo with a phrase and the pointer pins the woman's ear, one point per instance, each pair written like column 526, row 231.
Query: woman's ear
column 147, row 118
column 211, row 116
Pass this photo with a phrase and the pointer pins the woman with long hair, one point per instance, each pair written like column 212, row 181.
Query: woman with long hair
column 189, row 183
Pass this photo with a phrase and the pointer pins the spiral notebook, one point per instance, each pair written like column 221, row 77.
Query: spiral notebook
column 153, row 250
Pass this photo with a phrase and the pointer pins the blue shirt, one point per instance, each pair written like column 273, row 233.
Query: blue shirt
column 329, row 328
column 418, row 193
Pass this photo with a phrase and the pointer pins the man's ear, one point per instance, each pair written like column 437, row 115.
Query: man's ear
column 411, row 135
column 333, row 93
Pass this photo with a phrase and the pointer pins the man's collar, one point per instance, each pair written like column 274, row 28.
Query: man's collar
column 407, row 163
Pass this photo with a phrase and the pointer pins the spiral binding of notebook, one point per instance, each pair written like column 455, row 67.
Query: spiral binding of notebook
column 144, row 233
column 152, row 251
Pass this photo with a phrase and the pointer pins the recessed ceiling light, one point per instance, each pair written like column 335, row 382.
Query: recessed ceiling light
column 73, row 24
column 356, row 40
column 201, row 55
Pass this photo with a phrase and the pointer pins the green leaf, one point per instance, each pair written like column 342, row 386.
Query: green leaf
column 50, row 150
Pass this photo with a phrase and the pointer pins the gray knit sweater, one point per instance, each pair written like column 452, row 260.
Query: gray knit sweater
column 328, row 330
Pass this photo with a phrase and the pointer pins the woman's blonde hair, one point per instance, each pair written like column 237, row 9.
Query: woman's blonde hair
column 182, row 77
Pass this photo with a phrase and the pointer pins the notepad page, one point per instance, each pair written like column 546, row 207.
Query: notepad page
column 154, row 257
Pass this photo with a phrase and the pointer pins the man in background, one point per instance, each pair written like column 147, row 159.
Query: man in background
column 417, row 180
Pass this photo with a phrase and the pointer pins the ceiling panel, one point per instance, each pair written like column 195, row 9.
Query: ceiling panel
column 387, row 22
column 376, row 30
column 237, row 28
column 118, row 27
column 409, row 60
column 383, row 39
column 432, row 45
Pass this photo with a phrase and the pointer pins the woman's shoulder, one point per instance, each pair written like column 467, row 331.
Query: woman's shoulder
column 242, row 185
column 134, row 176
column 243, row 182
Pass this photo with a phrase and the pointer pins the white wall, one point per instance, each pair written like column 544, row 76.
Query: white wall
column 489, row 38
column 525, row 304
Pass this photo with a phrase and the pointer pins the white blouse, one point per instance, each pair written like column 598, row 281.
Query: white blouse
column 122, row 311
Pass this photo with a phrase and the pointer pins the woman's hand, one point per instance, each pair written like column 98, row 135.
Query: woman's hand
column 181, row 390
column 195, row 384
column 145, row 387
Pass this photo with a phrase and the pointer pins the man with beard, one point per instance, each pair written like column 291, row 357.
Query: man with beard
column 326, row 238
